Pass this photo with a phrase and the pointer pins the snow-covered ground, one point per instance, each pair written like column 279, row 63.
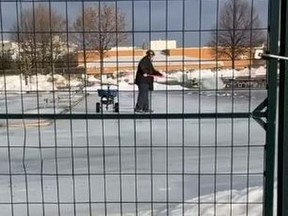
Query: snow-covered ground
column 172, row 81
column 79, row 167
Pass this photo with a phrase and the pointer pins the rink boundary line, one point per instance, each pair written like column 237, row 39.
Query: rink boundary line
column 35, row 123
column 116, row 116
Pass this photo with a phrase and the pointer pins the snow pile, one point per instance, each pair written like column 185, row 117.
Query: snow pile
column 222, row 206
column 170, row 81
column 223, row 198
column 253, row 72
column 17, row 83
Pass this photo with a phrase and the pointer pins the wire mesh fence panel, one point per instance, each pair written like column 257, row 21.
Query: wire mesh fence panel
column 127, row 107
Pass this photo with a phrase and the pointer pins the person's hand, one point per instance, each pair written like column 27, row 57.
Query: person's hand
column 159, row 74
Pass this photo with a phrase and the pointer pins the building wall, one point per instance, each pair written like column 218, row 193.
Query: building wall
column 199, row 53
column 205, row 60
column 164, row 67
column 135, row 52
column 94, row 56
column 159, row 45
column 207, row 53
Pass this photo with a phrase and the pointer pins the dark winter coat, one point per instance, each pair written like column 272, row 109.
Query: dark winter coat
column 145, row 67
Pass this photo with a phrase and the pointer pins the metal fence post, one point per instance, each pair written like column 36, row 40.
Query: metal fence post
column 271, row 108
column 282, row 207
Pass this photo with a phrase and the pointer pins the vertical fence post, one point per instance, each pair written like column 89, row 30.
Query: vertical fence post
column 282, row 207
column 271, row 107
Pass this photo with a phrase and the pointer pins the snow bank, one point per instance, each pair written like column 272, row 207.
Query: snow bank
column 238, row 198
column 172, row 81
column 17, row 83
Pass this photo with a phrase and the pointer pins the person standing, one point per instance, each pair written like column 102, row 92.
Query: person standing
column 144, row 80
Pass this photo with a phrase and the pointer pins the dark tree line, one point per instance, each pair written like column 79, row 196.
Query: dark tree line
column 6, row 60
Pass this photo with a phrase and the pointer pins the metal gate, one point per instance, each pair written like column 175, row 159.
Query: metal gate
column 69, row 149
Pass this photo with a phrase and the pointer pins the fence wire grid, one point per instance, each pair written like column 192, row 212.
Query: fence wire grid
column 66, row 149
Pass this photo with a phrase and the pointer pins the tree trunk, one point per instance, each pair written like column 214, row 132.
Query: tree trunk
column 101, row 63
column 53, row 67
column 26, row 80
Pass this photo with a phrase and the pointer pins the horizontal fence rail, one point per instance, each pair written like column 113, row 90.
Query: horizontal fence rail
column 130, row 116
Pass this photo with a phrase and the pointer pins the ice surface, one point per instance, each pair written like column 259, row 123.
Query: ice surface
column 90, row 167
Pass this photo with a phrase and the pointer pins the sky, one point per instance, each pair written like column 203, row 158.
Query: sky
column 190, row 22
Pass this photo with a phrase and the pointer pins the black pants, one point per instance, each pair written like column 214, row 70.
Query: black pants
column 143, row 97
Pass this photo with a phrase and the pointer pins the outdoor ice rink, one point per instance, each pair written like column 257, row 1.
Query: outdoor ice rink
column 132, row 167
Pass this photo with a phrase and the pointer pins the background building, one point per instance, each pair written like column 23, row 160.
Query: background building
column 160, row 45
column 168, row 58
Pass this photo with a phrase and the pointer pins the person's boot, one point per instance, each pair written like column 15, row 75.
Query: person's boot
column 138, row 110
column 148, row 111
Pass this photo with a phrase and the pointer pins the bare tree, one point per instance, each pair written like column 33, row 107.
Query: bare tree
column 39, row 36
column 237, row 33
column 101, row 28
